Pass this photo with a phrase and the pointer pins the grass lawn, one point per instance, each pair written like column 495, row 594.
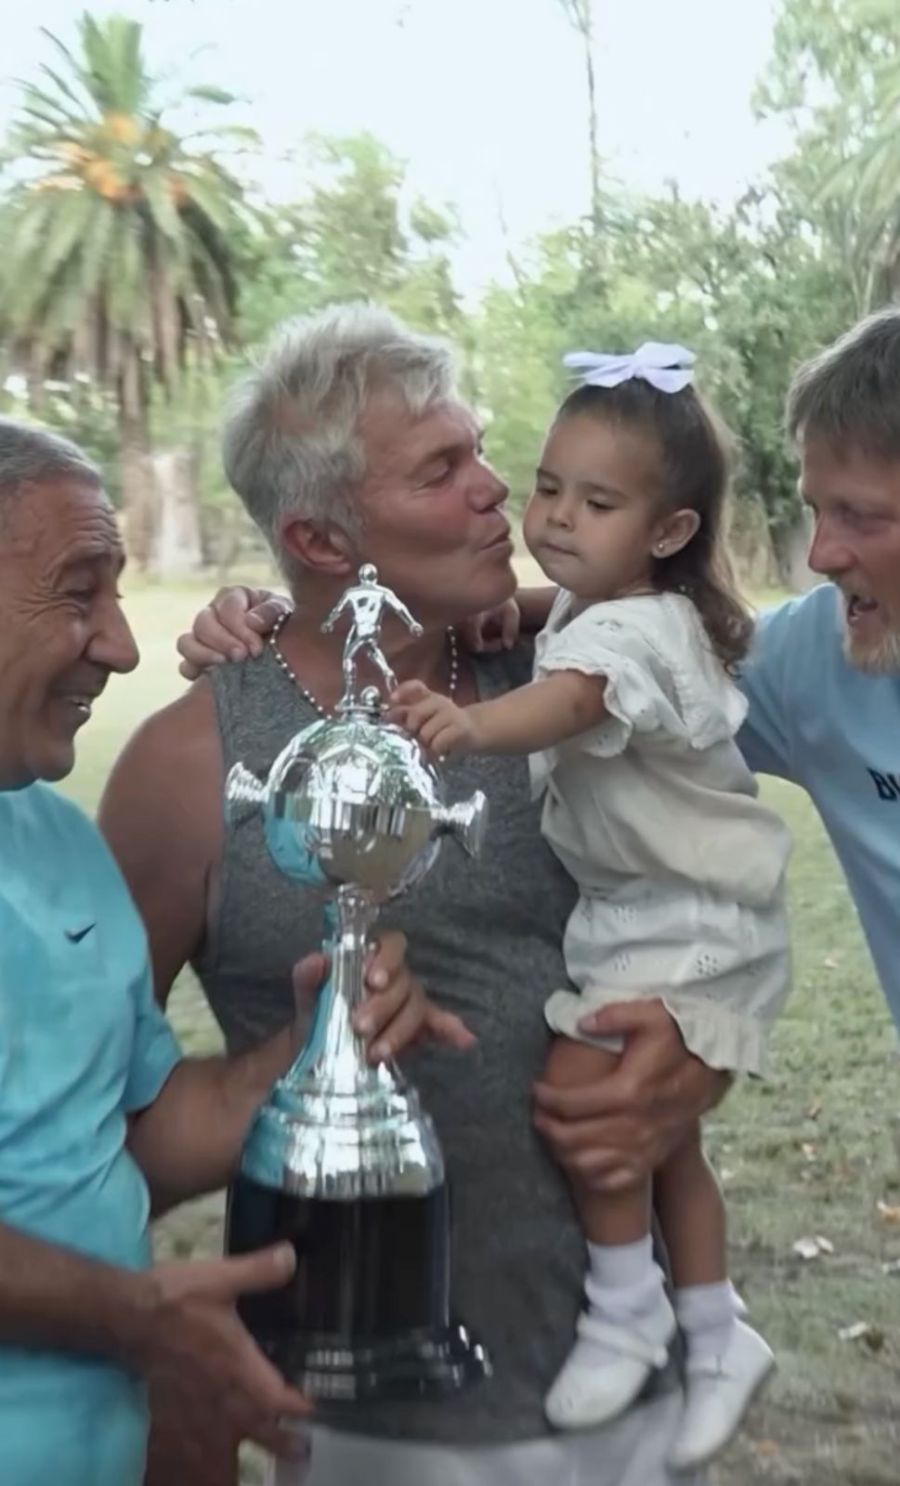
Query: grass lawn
column 812, row 1153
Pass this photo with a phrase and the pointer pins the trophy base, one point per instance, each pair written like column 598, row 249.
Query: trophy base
column 366, row 1313
column 418, row 1365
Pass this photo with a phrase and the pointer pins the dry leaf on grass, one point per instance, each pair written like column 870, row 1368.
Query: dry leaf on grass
column 812, row 1247
column 863, row 1331
column 854, row 1332
column 766, row 1448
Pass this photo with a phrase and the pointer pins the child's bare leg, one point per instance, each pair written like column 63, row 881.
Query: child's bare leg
column 624, row 1332
column 606, row 1218
column 692, row 1215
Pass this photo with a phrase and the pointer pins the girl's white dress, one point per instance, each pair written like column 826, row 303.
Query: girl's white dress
column 656, row 816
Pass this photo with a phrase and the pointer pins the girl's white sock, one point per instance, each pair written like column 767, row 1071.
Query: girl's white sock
column 707, row 1316
column 624, row 1286
column 623, row 1280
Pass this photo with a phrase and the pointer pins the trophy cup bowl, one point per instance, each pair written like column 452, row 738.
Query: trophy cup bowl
column 341, row 1160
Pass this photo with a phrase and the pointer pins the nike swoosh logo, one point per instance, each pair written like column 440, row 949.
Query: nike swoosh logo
column 75, row 936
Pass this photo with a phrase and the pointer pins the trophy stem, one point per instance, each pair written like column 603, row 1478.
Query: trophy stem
column 335, row 1055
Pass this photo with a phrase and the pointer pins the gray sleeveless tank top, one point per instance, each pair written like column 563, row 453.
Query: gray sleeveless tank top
column 486, row 939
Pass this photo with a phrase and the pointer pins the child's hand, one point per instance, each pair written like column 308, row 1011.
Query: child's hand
column 495, row 629
column 232, row 627
column 434, row 719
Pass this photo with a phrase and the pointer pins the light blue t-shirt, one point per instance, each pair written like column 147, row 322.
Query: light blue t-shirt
column 82, row 1044
column 816, row 720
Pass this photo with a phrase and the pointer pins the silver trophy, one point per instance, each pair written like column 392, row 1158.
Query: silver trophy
column 342, row 1160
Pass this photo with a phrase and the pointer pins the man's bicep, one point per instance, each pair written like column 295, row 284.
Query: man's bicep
column 161, row 815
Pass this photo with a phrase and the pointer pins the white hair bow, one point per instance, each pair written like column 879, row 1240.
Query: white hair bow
column 667, row 368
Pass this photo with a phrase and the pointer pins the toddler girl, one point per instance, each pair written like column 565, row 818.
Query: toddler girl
column 630, row 722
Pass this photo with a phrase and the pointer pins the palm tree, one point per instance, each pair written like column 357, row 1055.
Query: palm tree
column 119, row 268
column 860, row 170
column 873, row 175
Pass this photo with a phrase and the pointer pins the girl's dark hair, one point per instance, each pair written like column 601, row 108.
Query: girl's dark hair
column 695, row 466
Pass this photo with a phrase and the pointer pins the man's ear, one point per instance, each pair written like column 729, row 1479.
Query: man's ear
column 323, row 547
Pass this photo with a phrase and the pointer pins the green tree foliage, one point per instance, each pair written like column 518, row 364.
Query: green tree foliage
column 754, row 289
column 834, row 79
column 123, row 242
column 353, row 233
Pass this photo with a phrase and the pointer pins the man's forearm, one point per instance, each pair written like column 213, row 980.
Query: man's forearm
column 189, row 1140
column 54, row 1297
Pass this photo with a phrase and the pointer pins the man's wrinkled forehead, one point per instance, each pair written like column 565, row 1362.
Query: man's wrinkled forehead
column 397, row 436
column 60, row 521
column 829, row 470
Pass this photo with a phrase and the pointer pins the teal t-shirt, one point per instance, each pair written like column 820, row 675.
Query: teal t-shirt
column 82, row 1044
column 823, row 724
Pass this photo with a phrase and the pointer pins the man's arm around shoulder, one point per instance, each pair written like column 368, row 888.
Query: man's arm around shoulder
column 162, row 815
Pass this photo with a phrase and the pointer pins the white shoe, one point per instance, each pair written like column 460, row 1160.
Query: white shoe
column 592, row 1390
column 718, row 1391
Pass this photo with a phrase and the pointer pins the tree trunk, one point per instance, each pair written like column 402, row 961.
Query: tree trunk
column 581, row 15
column 593, row 136
column 139, row 500
column 176, row 549
column 790, row 545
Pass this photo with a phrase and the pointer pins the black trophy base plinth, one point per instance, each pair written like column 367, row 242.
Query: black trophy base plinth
column 366, row 1313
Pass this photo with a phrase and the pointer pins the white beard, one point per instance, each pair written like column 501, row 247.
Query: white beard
column 880, row 659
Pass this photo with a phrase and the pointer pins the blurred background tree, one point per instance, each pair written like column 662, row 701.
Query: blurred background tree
column 140, row 261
